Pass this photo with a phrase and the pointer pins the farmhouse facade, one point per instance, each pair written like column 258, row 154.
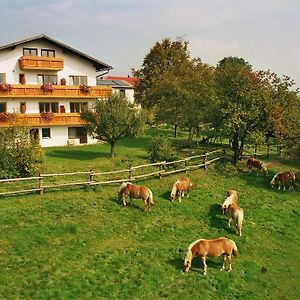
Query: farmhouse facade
column 45, row 84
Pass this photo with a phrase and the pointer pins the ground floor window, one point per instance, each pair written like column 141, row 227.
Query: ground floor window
column 46, row 133
column 78, row 133
column 3, row 107
column 48, row 106
column 34, row 133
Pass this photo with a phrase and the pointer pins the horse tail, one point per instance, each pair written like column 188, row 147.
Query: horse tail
column 293, row 179
column 150, row 198
column 234, row 248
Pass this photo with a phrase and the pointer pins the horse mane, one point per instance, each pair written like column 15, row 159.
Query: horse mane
column 174, row 188
column 123, row 185
column 189, row 254
column 150, row 196
column 274, row 178
column 235, row 249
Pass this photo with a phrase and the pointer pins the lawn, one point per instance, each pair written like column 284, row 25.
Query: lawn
column 83, row 244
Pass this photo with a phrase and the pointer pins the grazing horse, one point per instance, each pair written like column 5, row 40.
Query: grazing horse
column 254, row 163
column 136, row 191
column 181, row 185
column 236, row 214
column 204, row 248
column 284, row 178
column 232, row 197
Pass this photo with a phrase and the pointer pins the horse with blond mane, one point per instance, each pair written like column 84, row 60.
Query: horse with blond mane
column 236, row 214
column 179, row 187
column 136, row 191
column 254, row 163
column 284, row 178
column 232, row 197
column 212, row 248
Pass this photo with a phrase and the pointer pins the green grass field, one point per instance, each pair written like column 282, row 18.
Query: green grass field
column 82, row 244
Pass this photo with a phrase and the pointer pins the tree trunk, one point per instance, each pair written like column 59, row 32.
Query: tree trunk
column 175, row 130
column 190, row 137
column 235, row 147
column 112, row 149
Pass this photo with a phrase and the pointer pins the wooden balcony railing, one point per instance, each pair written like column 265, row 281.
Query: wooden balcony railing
column 41, row 63
column 60, row 91
column 37, row 120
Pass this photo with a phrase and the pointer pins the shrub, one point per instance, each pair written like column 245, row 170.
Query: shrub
column 161, row 150
column 21, row 155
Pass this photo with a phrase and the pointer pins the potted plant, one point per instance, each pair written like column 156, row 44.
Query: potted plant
column 47, row 116
column 5, row 87
column 85, row 88
column 47, row 87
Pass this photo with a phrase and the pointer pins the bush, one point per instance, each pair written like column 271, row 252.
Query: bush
column 161, row 150
column 21, row 155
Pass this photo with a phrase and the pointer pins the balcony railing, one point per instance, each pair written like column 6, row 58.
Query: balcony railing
column 60, row 91
column 41, row 63
column 37, row 120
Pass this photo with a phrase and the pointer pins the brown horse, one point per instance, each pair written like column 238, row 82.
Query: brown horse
column 236, row 214
column 232, row 197
column 181, row 185
column 204, row 248
column 136, row 191
column 284, row 178
column 254, row 163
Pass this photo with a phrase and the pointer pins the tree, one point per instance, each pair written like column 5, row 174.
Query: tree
column 113, row 119
column 21, row 155
column 175, row 86
column 252, row 103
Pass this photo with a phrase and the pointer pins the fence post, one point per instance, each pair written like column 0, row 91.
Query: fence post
column 223, row 153
column 205, row 159
column 186, row 165
column 41, row 185
column 130, row 173
column 91, row 177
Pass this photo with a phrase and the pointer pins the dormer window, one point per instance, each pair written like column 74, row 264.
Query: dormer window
column 47, row 53
column 30, row 51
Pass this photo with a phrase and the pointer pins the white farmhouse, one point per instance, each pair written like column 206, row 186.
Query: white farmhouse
column 45, row 84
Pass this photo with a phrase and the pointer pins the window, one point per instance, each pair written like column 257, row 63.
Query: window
column 46, row 133
column 78, row 80
column 122, row 92
column 2, row 107
column 30, row 51
column 48, row 106
column 2, row 77
column 48, row 52
column 47, row 79
column 78, row 107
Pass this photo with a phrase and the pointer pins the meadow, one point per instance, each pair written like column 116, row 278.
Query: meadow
column 81, row 243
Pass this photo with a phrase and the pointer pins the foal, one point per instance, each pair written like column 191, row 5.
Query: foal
column 204, row 248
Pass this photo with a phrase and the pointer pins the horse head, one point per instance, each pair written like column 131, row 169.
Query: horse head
column 273, row 181
column 187, row 263
column 173, row 192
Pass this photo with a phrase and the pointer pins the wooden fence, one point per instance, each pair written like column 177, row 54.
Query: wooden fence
column 54, row 181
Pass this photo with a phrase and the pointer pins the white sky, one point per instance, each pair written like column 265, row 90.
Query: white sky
column 266, row 33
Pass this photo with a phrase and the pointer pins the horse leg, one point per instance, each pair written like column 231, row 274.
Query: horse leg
column 179, row 196
column 239, row 229
column 229, row 221
column 229, row 261
column 124, row 200
column 224, row 261
column 204, row 264
column 188, row 193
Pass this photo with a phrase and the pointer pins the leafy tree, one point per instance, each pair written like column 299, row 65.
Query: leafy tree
column 251, row 103
column 161, row 150
column 175, row 86
column 113, row 119
column 21, row 155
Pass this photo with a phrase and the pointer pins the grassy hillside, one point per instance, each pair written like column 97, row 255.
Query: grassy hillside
column 82, row 244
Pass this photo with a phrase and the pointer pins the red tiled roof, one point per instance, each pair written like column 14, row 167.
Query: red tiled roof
column 131, row 80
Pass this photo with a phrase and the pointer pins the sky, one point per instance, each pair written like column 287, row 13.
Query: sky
column 266, row 33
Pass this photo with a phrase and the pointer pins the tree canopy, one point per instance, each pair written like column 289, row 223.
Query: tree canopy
column 112, row 119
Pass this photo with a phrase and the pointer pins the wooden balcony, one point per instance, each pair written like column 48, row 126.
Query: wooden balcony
column 41, row 63
column 36, row 120
column 60, row 91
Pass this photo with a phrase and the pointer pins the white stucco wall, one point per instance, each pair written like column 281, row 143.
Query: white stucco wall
column 73, row 64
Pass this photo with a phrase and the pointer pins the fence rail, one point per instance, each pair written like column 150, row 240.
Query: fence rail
column 130, row 174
